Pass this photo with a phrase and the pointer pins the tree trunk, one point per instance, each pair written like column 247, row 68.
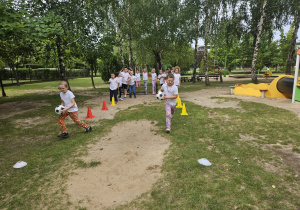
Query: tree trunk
column 130, row 49
column 206, row 36
column 61, row 60
column 196, row 45
column 255, row 51
column 92, row 75
column 120, row 40
column 2, row 88
column 291, row 54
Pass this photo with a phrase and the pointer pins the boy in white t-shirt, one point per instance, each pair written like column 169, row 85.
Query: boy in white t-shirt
column 131, row 82
column 120, row 78
column 145, row 78
column 171, row 93
column 71, row 109
column 113, row 87
column 161, row 77
column 125, row 75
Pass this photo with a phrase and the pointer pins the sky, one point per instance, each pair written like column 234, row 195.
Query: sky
column 276, row 36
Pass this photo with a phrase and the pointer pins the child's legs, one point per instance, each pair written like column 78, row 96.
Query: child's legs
column 74, row 117
column 130, row 89
column 61, row 121
column 120, row 92
column 110, row 94
column 137, row 84
column 116, row 95
column 154, row 86
column 145, row 85
column 168, row 115
column 133, row 87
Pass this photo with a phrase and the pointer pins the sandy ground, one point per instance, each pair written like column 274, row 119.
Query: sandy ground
column 130, row 163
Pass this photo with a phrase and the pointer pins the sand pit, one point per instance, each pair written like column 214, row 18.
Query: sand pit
column 130, row 164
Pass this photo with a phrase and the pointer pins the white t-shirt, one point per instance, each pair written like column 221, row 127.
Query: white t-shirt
column 154, row 76
column 120, row 81
column 161, row 78
column 113, row 83
column 67, row 97
column 132, row 80
column 138, row 76
column 176, row 79
column 145, row 76
column 170, row 91
column 126, row 76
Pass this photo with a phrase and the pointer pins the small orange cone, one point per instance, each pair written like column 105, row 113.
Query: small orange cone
column 89, row 114
column 104, row 107
column 184, row 110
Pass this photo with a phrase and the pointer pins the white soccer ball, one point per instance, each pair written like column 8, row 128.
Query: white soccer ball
column 160, row 95
column 59, row 109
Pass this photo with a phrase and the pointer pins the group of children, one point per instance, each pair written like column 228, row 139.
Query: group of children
column 126, row 80
column 121, row 82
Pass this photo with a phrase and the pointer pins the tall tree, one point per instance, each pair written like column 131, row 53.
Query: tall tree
column 295, row 13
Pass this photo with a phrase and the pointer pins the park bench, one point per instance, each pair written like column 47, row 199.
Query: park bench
column 247, row 69
column 215, row 76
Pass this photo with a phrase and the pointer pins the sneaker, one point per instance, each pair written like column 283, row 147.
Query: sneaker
column 168, row 130
column 120, row 99
column 117, row 103
column 134, row 96
column 125, row 98
column 63, row 135
column 89, row 129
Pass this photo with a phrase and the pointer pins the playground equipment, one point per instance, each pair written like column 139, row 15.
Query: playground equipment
column 281, row 87
column 296, row 87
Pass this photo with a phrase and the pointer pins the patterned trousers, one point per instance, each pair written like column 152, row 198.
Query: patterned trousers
column 169, row 112
column 74, row 117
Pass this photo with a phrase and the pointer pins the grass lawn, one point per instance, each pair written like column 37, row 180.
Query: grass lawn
column 246, row 171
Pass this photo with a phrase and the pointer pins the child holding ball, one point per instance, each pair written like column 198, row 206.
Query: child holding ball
column 71, row 109
column 171, row 92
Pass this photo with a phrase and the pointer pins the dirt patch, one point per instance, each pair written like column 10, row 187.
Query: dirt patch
column 97, row 104
column 290, row 158
column 10, row 109
column 29, row 122
column 130, row 165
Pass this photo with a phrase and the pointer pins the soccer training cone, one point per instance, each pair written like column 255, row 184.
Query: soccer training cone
column 113, row 101
column 177, row 99
column 179, row 105
column 184, row 110
column 104, row 107
column 89, row 114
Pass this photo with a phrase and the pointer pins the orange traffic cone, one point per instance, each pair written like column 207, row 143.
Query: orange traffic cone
column 104, row 107
column 89, row 114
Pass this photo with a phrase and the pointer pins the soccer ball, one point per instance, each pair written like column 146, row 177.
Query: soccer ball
column 160, row 95
column 59, row 109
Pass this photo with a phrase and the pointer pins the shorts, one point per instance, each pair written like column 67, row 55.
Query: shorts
column 124, row 86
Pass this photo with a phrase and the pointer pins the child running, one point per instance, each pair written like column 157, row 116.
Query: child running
column 125, row 75
column 131, row 82
column 145, row 78
column 71, row 109
column 113, row 87
column 177, row 76
column 154, row 80
column 171, row 92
